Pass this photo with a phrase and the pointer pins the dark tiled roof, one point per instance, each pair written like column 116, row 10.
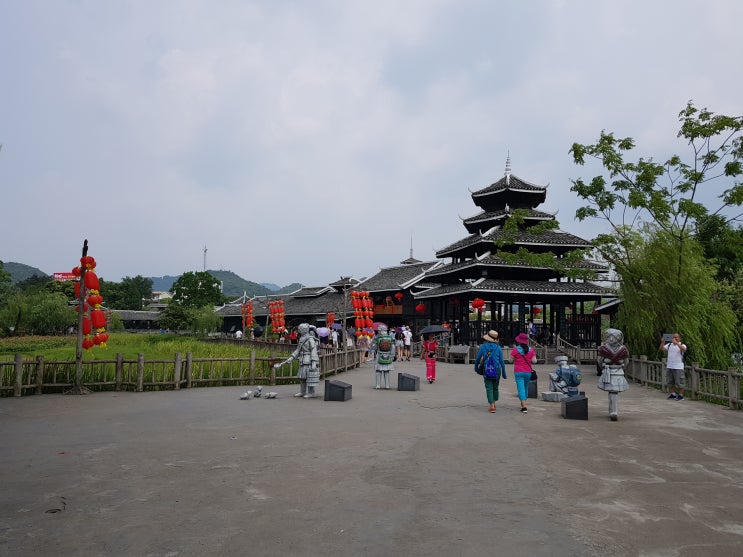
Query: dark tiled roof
column 485, row 217
column 513, row 183
column 136, row 315
column 294, row 305
column 531, row 288
column 556, row 238
column 495, row 261
column 395, row 278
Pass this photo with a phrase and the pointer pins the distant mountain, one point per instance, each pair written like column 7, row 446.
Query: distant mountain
column 233, row 286
column 20, row 272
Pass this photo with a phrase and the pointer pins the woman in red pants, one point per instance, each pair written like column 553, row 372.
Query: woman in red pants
column 429, row 354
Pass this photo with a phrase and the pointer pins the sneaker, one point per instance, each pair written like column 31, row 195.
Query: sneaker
column 680, row 397
column 672, row 396
column 523, row 410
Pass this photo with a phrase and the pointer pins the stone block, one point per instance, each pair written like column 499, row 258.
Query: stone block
column 550, row 396
column 337, row 390
column 408, row 382
column 575, row 407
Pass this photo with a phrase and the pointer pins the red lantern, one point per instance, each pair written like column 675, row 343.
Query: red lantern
column 420, row 308
column 86, row 326
column 95, row 300
column 398, row 296
column 478, row 303
column 87, row 343
column 537, row 311
column 91, row 281
column 98, row 319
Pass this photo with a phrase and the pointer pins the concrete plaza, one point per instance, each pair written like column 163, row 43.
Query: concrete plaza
column 410, row 473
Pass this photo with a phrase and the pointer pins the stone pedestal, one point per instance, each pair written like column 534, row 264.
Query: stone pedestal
column 575, row 407
column 408, row 382
column 337, row 390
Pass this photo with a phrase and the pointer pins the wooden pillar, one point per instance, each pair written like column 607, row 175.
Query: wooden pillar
column 39, row 375
column 177, row 371
column 140, row 373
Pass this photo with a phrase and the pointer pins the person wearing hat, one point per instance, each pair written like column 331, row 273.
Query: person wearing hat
column 522, row 356
column 491, row 346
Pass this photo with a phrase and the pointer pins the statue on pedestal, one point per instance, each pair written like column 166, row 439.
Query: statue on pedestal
column 612, row 357
column 309, row 361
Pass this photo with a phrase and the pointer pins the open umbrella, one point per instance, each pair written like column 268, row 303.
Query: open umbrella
column 433, row 329
column 377, row 324
column 323, row 331
column 336, row 326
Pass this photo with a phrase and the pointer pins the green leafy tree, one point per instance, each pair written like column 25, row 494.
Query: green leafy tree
column 49, row 314
column 205, row 320
column 196, row 290
column 723, row 245
column 5, row 282
column 652, row 304
column 662, row 200
column 176, row 318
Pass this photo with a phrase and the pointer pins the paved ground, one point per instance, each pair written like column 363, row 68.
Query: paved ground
column 429, row 472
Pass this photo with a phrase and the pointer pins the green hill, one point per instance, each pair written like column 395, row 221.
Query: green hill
column 20, row 272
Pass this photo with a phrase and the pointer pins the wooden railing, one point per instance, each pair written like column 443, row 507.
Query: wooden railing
column 711, row 385
column 36, row 376
column 576, row 353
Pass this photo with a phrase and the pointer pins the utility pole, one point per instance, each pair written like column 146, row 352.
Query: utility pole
column 205, row 258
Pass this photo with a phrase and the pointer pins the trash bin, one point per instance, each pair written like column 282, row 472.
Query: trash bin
column 533, row 389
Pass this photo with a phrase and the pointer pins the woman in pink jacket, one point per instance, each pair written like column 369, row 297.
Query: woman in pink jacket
column 522, row 356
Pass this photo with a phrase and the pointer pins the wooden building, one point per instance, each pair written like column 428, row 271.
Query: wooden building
column 519, row 263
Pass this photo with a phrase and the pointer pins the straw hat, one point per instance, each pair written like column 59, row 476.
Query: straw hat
column 490, row 336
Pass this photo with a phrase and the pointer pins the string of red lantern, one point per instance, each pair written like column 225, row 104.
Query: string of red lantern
column 363, row 312
column 94, row 318
column 276, row 313
column 330, row 319
column 247, row 314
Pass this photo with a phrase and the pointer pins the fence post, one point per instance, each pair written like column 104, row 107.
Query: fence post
column 643, row 370
column 189, row 369
column 694, row 379
column 140, row 373
column 39, row 375
column 732, row 389
column 252, row 366
column 18, row 375
column 177, row 371
column 119, row 370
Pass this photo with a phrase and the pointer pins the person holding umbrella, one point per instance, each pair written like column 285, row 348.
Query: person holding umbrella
column 429, row 354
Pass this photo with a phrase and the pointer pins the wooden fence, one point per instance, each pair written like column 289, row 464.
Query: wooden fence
column 711, row 385
column 37, row 376
column 576, row 353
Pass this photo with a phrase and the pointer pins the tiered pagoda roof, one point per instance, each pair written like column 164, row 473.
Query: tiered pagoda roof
column 476, row 265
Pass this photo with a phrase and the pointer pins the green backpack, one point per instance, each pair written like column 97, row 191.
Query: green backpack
column 385, row 354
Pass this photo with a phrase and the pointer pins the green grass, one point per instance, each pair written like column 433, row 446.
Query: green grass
column 153, row 346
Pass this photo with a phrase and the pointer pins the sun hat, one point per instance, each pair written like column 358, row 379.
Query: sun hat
column 490, row 336
column 522, row 338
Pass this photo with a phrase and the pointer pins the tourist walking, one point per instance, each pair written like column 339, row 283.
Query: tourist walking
column 362, row 343
column 489, row 363
column 408, row 340
column 522, row 356
column 399, row 343
column 675, row 366
column 429, row 355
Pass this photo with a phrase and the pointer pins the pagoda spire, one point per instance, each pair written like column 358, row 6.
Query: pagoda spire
column 508, row 168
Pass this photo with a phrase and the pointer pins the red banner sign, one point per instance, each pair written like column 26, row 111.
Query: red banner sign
column 64, row 277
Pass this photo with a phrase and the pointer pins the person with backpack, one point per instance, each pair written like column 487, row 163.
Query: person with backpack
column 675, row 366
column 489, row 363
column 384, row 356
column 522, row 356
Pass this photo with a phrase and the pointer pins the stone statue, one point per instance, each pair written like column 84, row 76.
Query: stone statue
column 309, row 361
column 612, row 357
column 384, row 356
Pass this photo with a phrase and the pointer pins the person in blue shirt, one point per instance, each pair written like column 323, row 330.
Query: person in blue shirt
column 492, row 384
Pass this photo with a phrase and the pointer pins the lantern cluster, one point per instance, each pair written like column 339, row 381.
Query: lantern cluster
column 330, row 319
column 363, row 311
column 276, row 313
column 94, row 318
column 478, row 304
column 247, row 313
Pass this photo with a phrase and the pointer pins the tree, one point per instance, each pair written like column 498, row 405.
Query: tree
column 195, row 290
column 647, row 204
column 175, row 317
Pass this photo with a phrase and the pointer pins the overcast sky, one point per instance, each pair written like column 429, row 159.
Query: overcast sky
column 302, row 141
